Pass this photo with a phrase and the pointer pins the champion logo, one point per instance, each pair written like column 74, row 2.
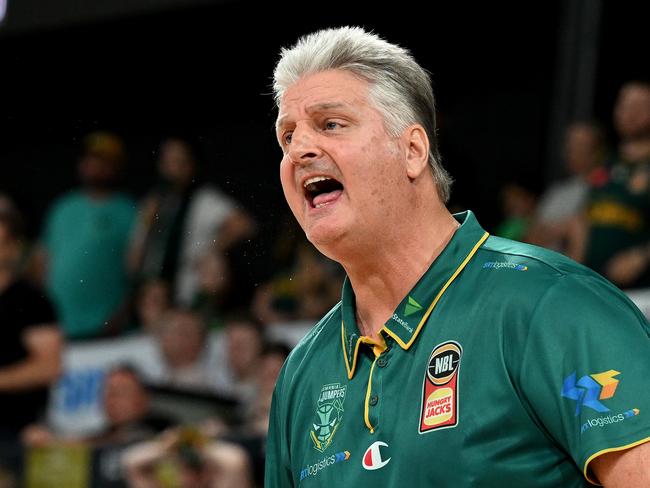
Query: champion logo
column 372, row 458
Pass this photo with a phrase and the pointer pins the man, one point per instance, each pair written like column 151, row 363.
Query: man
column 616, row 224
column 563, row 201
column 181, row 220
column 30, row 342
column 83, row 257
column 454, row 358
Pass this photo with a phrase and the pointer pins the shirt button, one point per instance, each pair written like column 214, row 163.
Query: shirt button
column 373, row 400
column 381, row 362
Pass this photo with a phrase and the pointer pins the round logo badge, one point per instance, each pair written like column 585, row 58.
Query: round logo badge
column 443, row 363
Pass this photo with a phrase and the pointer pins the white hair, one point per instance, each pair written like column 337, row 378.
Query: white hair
column 399, row 86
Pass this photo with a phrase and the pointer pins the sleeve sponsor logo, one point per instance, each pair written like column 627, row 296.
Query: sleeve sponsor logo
column 589, row 390
column 440, row 388
column 608, row 420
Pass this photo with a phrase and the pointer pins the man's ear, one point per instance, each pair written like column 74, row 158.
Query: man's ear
column 417, row 150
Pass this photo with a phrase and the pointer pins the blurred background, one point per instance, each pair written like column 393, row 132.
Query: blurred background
column 152, row 280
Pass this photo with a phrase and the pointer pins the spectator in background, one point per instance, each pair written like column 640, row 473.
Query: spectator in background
column 180, row 220
column 152, row 301
column 84, row 244
column 304, row 292
column 240, row 358
column 584, row 154
column 614, row 235
column 30, row 341
column 128, row 420
column 191, row 459
column 188, row 360
column 518, row 203
column 269, row 365
column 126, row 409
column 252, row 434
column 214, row 288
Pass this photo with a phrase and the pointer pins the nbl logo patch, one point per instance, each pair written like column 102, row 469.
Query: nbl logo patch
column 440, row 388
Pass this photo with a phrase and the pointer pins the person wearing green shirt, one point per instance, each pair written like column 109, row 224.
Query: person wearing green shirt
column 454, row 358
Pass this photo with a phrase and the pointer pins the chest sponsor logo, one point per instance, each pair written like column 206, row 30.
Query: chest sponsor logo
column 329, row 412
column 411, row 307
column 326, row 462
column 372, row 458
column 439, row 407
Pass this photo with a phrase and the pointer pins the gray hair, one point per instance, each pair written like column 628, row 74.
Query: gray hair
column 399, row 86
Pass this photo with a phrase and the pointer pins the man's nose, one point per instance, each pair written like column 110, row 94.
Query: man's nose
column 304, row 147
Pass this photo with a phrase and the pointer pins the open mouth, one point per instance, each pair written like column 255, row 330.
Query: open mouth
column 322, row 190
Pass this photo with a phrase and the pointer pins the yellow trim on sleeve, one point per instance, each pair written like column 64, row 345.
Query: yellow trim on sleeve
column 605, row 451
column 366, row 413
column 435, row 300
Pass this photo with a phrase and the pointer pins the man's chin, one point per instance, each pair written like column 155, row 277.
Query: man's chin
column 324, row 237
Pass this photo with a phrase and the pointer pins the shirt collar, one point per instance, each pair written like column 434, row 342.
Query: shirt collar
column 412, row 313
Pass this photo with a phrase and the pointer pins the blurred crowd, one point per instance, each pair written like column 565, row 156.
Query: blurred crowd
column 118, row 306
column 599, row 214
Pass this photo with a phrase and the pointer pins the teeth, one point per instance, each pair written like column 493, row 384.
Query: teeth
column 315, row 179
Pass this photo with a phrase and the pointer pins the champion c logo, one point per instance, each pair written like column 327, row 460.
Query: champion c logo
column 372, row 458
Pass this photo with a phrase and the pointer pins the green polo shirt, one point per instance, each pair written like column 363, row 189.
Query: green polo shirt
column 505, row 365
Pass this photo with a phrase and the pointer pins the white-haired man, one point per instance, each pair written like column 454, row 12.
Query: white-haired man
column 454, row 358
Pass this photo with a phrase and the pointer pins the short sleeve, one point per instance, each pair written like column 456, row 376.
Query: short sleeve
column 585, row 368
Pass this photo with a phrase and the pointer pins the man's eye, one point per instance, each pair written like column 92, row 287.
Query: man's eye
column 331, row 125
column 287, row 138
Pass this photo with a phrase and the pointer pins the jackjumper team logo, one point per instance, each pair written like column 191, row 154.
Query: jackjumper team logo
column 329, row 411
column 440, row 388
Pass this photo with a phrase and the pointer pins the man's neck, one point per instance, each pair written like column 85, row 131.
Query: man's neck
column 394, row 266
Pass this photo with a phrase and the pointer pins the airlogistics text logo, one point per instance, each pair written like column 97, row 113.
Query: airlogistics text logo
column 589, row 390
column 313, row 469
column 608, row 420
column 504, row 265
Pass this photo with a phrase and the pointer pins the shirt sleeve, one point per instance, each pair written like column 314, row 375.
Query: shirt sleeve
column 277, row 468
column 584, row 368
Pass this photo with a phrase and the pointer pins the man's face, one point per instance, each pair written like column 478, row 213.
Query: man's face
column 331, row 131
column 97, row 172
column 632, row 111
column 176, row 164
column 125, row 399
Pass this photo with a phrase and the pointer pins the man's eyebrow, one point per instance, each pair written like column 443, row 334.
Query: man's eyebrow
column 318, row 107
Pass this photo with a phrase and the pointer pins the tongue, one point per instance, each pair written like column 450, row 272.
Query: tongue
column 326, row 197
